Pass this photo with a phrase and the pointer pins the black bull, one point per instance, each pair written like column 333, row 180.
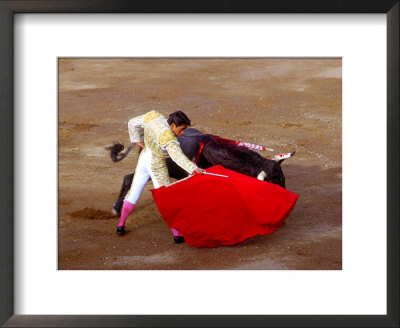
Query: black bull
column 214, row 152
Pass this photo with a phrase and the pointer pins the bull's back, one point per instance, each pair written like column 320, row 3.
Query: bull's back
column 190, row 141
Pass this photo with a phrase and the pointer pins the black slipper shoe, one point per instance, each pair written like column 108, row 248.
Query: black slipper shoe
column 179, row 239
column 121, row 231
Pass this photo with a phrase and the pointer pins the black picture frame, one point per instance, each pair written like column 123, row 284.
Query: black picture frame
column 11, row 7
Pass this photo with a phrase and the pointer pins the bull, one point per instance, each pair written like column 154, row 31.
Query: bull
column 209, row 150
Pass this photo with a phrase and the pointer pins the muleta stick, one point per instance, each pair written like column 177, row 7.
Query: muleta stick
column 216, row 175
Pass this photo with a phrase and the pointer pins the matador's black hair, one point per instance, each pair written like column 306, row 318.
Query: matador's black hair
column 179, row 118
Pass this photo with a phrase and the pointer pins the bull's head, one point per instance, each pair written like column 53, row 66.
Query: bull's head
column 272, row 172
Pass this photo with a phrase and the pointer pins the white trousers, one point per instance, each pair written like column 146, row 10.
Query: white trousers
column 148, row 167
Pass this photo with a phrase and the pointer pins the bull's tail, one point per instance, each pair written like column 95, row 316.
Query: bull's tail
column 115, row 151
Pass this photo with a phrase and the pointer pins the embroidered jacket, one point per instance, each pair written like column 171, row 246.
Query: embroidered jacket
column 159, row 138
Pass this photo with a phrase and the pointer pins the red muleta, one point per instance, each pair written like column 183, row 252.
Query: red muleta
column 213, row 211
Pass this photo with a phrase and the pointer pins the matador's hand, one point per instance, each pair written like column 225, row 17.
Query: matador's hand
column 141, row 145
column 198, row 171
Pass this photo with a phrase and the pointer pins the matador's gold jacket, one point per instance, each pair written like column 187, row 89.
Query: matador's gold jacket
column 159, row 138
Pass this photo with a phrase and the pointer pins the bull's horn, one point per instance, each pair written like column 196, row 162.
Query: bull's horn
column 261, row 176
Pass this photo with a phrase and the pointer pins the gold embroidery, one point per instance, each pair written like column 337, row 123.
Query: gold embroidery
column 165, row 137
column 179, row 157
column 150, row 116
column 151, row 142
column 160, row 170
column 152, row 131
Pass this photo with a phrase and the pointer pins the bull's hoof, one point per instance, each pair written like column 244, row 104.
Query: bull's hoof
column 121, row 231
column 179, row 239
column 114, row 212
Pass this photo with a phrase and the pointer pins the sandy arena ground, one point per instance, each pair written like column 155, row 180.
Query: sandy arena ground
column 284, row 104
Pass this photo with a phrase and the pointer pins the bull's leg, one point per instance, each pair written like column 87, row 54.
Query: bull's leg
column 174, row 170
column 126, row 185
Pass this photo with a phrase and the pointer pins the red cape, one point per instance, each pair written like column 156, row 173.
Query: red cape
column 211, row 211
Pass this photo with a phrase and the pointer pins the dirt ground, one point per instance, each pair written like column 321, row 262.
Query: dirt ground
column 284, row 104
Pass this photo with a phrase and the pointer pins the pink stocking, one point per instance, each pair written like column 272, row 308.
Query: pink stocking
column 127, row 209
column 176, row 233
